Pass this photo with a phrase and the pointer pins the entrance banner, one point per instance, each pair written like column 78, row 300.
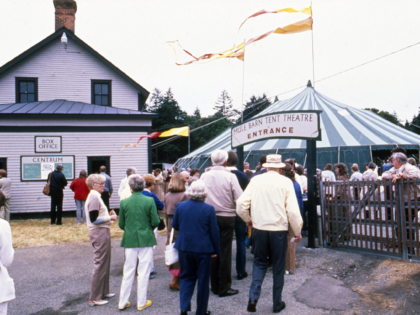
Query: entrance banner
column 288, row 124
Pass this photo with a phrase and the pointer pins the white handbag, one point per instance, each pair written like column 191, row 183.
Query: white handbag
column 171, row 253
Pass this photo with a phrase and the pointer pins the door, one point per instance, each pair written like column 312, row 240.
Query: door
column 95, row 162
column 3, row 164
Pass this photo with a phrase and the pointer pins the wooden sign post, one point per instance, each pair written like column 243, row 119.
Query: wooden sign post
column 289, row 124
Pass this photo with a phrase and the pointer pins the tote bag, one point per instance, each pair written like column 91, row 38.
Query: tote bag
column 171, row 253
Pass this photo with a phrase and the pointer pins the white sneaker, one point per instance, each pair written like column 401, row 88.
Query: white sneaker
column 125, row 306
column 148, row 303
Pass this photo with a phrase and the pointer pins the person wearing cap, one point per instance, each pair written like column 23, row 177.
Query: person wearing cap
column 275, row 211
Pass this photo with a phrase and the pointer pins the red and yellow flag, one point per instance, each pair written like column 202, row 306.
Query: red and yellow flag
column 307, row 10
column 179, row 131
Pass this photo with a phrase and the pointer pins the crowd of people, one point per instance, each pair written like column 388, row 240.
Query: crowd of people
column 202, row 215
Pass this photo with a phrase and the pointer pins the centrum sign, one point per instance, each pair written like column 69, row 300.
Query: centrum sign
column 292, row 124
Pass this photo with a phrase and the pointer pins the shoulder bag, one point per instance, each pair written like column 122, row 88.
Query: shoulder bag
column 46, row 189
column 171, row 253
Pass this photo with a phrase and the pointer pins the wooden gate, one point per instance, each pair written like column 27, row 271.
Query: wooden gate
column 379, row 216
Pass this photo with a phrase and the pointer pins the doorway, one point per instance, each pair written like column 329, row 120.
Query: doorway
column 95, row 162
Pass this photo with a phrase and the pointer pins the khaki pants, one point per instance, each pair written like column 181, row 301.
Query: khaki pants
column 101, row 243
column 4, row 211
column 291, row 253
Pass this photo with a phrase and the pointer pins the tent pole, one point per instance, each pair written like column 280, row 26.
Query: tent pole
column 370, row 150
column 304, row 162
column 338, row 154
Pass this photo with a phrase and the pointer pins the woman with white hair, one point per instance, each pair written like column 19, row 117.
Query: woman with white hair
column 198, row 241
column 99, row 221
column 138, row 219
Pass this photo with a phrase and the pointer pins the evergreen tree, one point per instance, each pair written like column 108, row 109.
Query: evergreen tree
column 224, row 104
column 197, row 113
column 414, row 126
column 255, row 105
column 386, row 115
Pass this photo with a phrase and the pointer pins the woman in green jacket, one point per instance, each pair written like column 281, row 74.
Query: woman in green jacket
column 138, row 218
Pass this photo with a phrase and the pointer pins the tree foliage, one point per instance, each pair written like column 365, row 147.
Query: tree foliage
column 386, row 115
column 171, row 115
column 255, row 105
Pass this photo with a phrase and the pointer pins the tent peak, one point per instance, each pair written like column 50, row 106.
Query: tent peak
column 309, row 83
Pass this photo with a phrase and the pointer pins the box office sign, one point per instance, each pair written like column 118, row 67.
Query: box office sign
column 37, row 168
column 45, row 144
column 292, row 124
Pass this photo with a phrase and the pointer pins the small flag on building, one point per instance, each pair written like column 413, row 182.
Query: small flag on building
column 179, row 131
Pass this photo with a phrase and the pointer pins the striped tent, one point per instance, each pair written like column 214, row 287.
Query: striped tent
column 349, row 135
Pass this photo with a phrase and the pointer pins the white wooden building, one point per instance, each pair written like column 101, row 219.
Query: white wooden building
column 62, row 102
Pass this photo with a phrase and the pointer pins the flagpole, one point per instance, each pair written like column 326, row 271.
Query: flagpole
column 313, row 58
column 243, row 85
column 240, row 149
column 189, row 137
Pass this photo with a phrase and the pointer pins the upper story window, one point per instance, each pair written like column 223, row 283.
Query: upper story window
column 26, row 90
column 101, row 92
column 141, row 103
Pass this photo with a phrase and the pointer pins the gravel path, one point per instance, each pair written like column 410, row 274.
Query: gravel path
column 55, row 280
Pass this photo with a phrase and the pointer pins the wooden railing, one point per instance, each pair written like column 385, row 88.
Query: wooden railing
column 379, row 216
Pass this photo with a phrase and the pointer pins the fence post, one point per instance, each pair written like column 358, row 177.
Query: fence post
column 322, row 201
column 401, row 213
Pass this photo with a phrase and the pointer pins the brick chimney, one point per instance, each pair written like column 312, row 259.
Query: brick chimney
column 65, row 14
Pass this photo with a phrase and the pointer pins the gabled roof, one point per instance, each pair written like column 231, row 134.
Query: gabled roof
column 64, row 107
column 341, row 126
column 57, row 34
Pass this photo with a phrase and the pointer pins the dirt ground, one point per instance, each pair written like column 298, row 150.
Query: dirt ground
column 384, row 285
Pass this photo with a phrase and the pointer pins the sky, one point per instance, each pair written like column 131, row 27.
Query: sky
column 132, row 34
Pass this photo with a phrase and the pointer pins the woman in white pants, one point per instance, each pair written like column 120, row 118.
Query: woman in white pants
column 138, row 219
column 7, row 286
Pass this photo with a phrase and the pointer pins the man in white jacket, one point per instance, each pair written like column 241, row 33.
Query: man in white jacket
column 7, row 286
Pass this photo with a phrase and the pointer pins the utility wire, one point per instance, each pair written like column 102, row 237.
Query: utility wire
column 394, row 52
column 333, row 75
column 265, row 100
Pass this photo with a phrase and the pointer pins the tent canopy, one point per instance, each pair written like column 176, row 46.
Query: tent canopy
column 348, row 134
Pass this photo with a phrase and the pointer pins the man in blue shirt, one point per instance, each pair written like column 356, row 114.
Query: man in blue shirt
column 57, row 182
column 107, row 193
column 240, row 225
column 263, row 159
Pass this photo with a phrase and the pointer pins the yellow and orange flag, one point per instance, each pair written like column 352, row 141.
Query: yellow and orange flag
column 307, row 10
column 179, row 131
column 238, row 51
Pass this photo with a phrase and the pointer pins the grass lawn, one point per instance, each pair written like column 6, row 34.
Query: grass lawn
column 39, row 232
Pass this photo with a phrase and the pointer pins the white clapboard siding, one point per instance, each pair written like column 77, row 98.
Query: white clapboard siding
column 28, row 196
column 67, row 74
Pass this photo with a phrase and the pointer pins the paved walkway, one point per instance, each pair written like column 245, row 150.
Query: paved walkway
column 55, row 280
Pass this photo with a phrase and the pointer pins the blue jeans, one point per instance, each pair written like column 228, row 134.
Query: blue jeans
column 194, row 266
column 274, row 244
column 240, row 232
column 80, row 210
